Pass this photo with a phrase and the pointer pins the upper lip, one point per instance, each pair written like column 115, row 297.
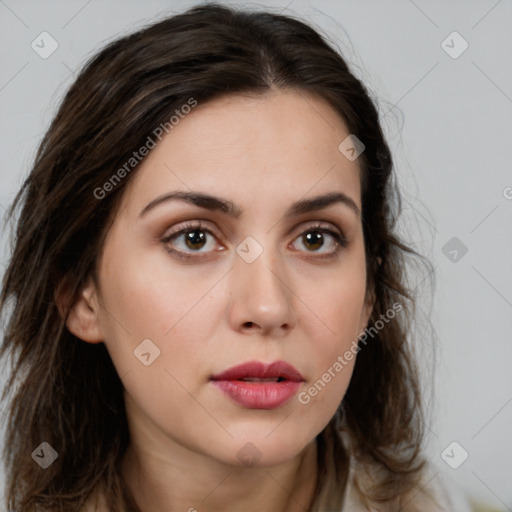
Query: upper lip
column 258, row 370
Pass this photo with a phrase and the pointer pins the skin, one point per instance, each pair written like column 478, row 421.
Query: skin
column 208, row 314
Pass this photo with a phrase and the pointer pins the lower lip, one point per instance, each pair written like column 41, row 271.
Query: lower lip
column 259, row 395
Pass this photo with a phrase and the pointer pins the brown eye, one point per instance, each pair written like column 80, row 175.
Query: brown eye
column 195, row 239
column 318, row 237
column 313, row 240
column 190, row 241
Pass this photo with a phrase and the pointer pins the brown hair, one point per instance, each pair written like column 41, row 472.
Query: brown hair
column 67, row 392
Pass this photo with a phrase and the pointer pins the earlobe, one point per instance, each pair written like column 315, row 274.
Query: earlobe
column 83, row 318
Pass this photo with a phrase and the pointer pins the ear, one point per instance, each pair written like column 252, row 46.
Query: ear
column 83, row 317
column 366, row 311
column 369, row 303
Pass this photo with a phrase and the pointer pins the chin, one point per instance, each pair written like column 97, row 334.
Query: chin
column 264, row 450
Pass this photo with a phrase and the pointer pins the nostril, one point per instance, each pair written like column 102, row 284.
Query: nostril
column 248, row 324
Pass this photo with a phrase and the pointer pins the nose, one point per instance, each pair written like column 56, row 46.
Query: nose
column 262, row 299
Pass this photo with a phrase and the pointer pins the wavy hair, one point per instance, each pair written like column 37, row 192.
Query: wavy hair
column 66, row 392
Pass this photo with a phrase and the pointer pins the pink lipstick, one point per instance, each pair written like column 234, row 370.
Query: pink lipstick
column 256, row 385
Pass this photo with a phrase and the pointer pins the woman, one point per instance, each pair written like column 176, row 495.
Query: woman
column 209, row 304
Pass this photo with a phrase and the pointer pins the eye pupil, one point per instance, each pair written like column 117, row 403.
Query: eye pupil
column 195, row 237
column 314, row 238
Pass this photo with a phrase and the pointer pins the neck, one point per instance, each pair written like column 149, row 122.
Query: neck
column 189, row 485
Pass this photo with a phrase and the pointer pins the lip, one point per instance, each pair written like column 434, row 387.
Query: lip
column 259, row 394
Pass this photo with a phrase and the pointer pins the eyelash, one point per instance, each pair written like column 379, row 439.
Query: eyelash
column 339, row 238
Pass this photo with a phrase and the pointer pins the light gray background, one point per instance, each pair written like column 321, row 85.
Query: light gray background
column 448, row 122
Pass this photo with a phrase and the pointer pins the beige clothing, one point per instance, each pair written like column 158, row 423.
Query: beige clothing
column 449, row 497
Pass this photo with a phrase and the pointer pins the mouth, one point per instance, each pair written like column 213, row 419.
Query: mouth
column 255, row 385
column 255, row 379
column 254, row 371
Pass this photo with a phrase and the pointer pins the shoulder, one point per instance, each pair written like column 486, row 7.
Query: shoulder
column 96, row 503
column 434, row 492
column 446, row 492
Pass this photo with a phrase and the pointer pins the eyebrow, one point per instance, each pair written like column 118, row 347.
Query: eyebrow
column 213, row 203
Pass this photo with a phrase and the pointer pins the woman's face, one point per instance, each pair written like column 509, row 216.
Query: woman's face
column 258, row 281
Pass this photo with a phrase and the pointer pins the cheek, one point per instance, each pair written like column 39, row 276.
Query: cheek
column 332, row 320
column 147, row 297
column 334, row 306
column 335, row 353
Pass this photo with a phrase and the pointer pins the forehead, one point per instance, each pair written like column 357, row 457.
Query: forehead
column 264, row 148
